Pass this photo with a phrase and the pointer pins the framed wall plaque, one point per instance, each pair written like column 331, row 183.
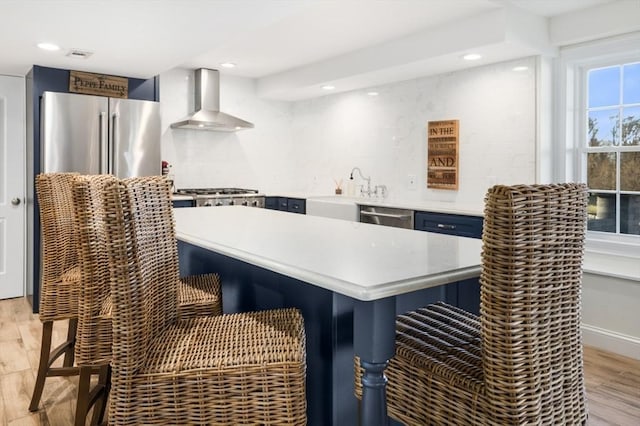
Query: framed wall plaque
column 98, row 84
column 442, row 154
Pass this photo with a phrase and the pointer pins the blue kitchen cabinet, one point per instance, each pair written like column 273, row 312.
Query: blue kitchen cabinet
column 274, row 203
column 464, row 294
column 183, row 203
column 296, row 205
column 285, row 204
column 452, row 224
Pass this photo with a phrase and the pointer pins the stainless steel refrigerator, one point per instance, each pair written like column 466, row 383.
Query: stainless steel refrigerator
column 89, row 135
column 94, row 134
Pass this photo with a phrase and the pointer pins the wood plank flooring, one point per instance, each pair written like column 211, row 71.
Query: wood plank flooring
column 612, row 381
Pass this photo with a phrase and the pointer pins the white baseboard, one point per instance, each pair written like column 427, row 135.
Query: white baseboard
column 611, row 341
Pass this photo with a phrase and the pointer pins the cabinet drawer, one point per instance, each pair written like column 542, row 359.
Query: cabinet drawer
column 275, row 203
column 183, row 203
column 464, row 226
column 296, row 205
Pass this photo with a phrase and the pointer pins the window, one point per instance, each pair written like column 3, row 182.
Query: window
column 595, row 115
column 611, row 148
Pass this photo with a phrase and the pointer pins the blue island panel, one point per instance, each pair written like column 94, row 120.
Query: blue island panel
column 328, row 317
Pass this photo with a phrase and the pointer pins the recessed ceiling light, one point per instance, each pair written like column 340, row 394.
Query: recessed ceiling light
column 228, row 65
column 372, row 93
column 471, row 57
column 520, row 68
column 48, row 46
column 328, row 87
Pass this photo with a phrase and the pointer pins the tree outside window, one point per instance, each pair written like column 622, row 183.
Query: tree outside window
column 612, row 148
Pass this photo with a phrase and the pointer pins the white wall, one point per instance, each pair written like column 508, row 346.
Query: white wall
column 610, row 314
column 303, row 146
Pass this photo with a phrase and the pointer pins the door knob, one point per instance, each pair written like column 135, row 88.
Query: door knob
column 15, row 201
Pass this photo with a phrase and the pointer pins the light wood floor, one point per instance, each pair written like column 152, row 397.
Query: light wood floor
column 613, row 382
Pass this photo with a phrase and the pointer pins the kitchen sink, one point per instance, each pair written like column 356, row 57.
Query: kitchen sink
column 336, row 207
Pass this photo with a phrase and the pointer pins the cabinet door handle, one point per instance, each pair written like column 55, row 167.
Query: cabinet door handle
column 445, row 226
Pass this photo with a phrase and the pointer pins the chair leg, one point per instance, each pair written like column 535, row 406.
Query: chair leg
column 43, row 366
column 48, row 357
column 96, row 397
column 69, row 354
column 84, row 386
column 100, row 407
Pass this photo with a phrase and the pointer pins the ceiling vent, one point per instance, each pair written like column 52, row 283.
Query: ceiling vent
column 79, row 54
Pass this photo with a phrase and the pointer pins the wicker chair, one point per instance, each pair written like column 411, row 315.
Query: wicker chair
column 93, row 344
column 198, row 296
column 60, row 276
column 520, row 361
column 233, row 369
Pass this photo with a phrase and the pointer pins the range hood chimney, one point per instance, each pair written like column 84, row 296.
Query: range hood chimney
column 207, row 115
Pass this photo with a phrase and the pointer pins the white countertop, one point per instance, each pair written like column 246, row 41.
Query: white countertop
column 430, row 206
column 360, row 260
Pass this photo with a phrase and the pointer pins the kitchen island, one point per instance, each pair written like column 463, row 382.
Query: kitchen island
column 349, row 279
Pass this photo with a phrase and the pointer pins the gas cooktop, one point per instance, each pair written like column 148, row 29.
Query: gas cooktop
column 216, row 191
column 208, row 197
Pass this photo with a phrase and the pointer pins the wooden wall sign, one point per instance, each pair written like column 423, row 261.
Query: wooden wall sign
column 98, row 84
column 442, row 154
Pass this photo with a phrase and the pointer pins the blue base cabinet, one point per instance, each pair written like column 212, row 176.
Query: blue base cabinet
column 183, row 203
column 293, row 205
column 464, row 294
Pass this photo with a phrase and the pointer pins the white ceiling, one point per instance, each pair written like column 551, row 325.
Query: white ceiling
column 291, row 47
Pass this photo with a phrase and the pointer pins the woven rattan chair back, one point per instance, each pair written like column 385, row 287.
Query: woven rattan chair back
column 93, row 344
column 94, row 335
column 60, row 280
column 60, row 275
column 144, row 266
column 533, row 243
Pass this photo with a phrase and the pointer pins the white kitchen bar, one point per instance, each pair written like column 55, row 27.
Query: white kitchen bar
column 372, row 265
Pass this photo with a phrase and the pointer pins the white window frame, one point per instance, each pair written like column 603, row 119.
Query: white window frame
column 570, row 126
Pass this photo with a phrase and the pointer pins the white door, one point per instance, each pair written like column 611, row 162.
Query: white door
column 12, row 186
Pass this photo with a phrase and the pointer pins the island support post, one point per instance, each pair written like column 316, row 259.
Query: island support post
column 374, row 343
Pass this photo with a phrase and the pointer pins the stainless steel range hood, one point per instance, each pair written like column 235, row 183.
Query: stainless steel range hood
column 207, row 115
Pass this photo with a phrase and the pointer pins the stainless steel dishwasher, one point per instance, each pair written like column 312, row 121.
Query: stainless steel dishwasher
column 387, row 216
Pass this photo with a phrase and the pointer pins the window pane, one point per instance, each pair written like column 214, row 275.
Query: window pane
column 630, row 214
column 631, row 85
column 630, row 171
column 601, row 170
column 601, row 212
column 604, row 87
column 631, row 126
column 603, row 128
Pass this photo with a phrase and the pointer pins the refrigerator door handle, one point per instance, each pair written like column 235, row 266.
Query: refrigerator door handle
column 114, row 143
column 104, row 147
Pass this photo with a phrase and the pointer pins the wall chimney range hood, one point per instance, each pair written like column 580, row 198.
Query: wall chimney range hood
column 207, row 115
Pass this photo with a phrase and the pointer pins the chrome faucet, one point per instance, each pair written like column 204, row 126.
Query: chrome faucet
column 368, row 179
column 380, row 191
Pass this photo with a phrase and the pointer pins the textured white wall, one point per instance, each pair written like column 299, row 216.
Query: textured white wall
column 303, row 146
column 610, row 314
